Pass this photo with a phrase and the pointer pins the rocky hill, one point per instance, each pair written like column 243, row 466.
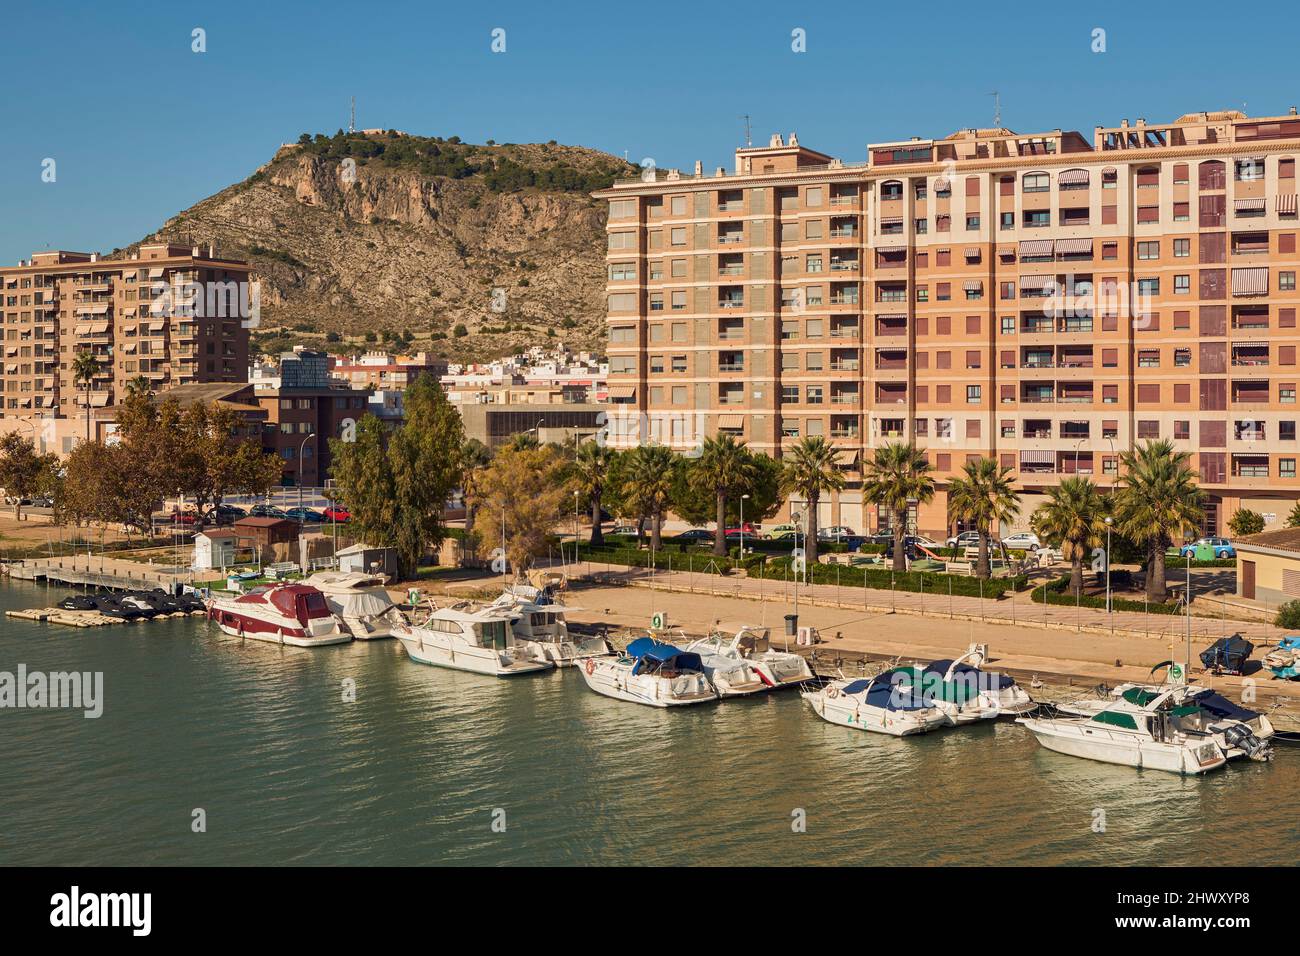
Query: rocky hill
column 398, row 235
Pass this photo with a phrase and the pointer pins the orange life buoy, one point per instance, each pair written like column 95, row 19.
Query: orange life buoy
column 833, row 693
column 591, row 666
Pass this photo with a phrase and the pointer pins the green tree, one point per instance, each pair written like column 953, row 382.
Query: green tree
column 1158, row 499
column 1293, row 519
column 897, row 475
column 85, row 368
column 23, row 472
column 1244, row 522
column 724, row 470
column 648, row 481
column 982, row 495
column 591, row 469
column 1073, row 519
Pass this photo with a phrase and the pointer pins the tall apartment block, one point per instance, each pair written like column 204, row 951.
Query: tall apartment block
column 59, row 304
column 1042, row 299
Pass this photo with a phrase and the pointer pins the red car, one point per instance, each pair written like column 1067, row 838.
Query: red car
column 184, row 517
column 335, row 513
column 749, row 530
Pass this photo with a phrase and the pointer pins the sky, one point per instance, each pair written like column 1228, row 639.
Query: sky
column 139, row 126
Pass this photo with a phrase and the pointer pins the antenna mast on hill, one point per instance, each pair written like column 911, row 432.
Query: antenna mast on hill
column 749, row 139
column 997, row 109
column 352, row 119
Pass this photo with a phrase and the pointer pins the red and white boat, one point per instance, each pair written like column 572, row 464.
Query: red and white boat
column 295, row 614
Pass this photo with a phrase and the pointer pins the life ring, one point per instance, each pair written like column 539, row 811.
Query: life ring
column 590, row 666
column 833, row 693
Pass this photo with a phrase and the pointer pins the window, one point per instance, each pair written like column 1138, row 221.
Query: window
column 679, row 236
column 1182, row 358
column 1182, row 248
column 1148, row 287
column 621, row 271
column 1008, row 325
column 1007, row 220
column 973, row 395
column 1286, row 281
column 1182, row 285
column 1148, row 250
column 790, row 394
column 1110, row 250
column 1182, row 211
column 1286, row 467
column 972, row 222
column 1286, row 431
column 1182, row 430
column 679, row 363
column 1036, row 183
column 1248, row 170
column 1148, row 429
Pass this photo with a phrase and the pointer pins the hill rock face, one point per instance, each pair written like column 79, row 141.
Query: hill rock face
column 374, row 232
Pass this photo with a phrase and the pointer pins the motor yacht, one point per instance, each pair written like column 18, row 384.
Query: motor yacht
column 651, row 673
column 468, row 637
column 876, row 704
column 1000, row 692
column 360, row 601
column 294, row 614
column 541, row 627
column 751, row 645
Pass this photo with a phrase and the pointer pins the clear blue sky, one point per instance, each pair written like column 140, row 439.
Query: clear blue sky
column 141, row 127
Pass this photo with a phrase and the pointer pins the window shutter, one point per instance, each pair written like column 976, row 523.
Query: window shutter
column 1148, row 394
column 1286, row 355
column 1182, row 393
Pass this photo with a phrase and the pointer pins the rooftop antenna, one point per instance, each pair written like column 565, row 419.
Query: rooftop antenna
column 352, row 119
column 997, row 109
column 749, row 139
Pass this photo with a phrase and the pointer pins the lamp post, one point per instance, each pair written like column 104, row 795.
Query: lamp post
column 1187, row 601
column 1109, row 522
column 1078, row 445
column 742, row 526
column 301, row 448
column 576, row 532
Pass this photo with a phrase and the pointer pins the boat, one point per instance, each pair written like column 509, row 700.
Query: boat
column 541, row 627
column 360, row 601
column 1238, row 731
column 878, row 705
column 960, row 700
column 468, row 637
column 730, row 676
column 649, row 672
column 752, row 645
column 1124, row 733
column 292, row 613
column 1000, row 692
column 1284, row 660
column 1227, row 655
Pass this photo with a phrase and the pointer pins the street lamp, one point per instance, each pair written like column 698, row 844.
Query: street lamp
column 576, row 495
column 742, row 526
column 1187, row 600
column 301, row 449
column 1078, row 445
column 1109, row 522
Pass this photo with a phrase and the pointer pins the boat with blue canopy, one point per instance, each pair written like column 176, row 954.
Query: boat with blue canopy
column 889, row 703
column 651, row 672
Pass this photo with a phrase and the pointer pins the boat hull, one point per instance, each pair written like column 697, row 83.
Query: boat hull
column 567, row 653
column 436, row 649
column 611, row 679
column 846, row 711
column 1126, row 750
column 279, row 635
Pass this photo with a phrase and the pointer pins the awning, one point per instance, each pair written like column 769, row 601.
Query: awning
column 46, row 400
column 892, row 315
column 941, row 184
column 1037, row 282
column 1248, row 205
column 1074, row 247
column 98, row 328
column 1007, row 252
column 622, row 391
column 1073, row 177
column 11, row 350
column 1250, row 281
column 1286, row 205
column 846, row 457
column 971, row 252
column 11, row 369
column 155, row 273
column 98, row 399
column 731, row 421
column 1035, row 247
column 156, row 326
column 129, row 310
column 973, row 285
column 83, row 329
column 1037, row 456
column 128, row 347
column 891, row 222
column 891, row 249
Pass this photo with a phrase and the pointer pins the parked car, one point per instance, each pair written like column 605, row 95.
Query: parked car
column 1205, row 549
column 227, row 514
column 267, row 511
column 1022, row 541
column 627, row 529
column 781, row 532
column 336, row 513
column 304, row 515
column 835, row 533
column 183, row 517
column 693, row 534
column 42, row 502
column 967, row 539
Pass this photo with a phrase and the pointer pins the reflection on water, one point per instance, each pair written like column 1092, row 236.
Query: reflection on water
column 287, row 771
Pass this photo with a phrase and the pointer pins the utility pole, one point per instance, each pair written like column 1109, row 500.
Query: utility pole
column 352, row 118
column 997, row 108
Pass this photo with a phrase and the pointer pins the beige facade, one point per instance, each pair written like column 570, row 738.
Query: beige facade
column 1268, row 566
column 1045, row 299
column 59, row 304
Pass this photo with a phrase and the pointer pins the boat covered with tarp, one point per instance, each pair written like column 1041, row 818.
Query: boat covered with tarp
column 1227, row 655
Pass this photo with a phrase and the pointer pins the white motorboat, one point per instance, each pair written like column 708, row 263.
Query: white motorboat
column 360, row 601
column 878, row 704
column 1130, row 735
column 658, row 675
column 540, row 626
column 294, row 614
column 1239, row 732
column 468, row 637
column 751, row 645
column 730, row 676
column 999, row 694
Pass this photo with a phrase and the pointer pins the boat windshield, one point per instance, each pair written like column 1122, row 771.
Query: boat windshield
column 492, row 634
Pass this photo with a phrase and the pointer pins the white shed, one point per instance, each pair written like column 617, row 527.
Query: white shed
column 214, row 549
column 370, row 560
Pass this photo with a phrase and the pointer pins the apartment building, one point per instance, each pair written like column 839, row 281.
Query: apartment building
column 1047, row 299
column 172, row 314
column 380, row 370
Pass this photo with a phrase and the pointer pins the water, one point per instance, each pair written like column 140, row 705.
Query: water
column 261, row 739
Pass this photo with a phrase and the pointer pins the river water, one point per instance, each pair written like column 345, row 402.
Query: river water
column 432, row 766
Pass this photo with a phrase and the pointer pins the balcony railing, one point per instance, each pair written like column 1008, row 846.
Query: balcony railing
column 731, row 303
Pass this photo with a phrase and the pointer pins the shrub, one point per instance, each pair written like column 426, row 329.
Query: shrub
column 1054, row 592
column 1245, row 522
column 1288, row 616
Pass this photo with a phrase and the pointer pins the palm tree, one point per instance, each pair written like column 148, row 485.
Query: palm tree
column 474, row 457
column 138, row 386
column 981, row 496
column 85, row 368
column 723, row 469
column 898, row 475
column 648, row 485
column 591, row 469
column 809, row 471
column 1073, row 519
column 1157, row 500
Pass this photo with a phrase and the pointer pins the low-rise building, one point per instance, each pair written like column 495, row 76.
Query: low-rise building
column 1268, row 566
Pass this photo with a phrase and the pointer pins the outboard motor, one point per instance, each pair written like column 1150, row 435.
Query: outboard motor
column 1240, row 737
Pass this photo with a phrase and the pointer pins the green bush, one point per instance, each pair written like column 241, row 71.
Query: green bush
column 1054, row 592
column 1288, row 616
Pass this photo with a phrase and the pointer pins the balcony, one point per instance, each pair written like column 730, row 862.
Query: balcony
column 847, row 330
column 731, row 366
column 1250, row 356
column 731, row 303
column 844, row 365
